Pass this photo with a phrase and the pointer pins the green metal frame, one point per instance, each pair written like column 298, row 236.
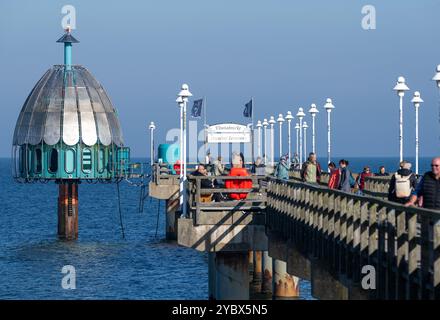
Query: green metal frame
column 72, row 162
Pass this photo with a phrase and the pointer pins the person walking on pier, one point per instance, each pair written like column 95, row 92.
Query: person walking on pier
column 346, row 180
column 208, row 162
column 361, row 177
column 311, row 170
column 208, row 159
column 402, row 184
column 382, row 172
column 282, row 169
column 218, row 167
column 333, row 181
column 428, row 188
column 295, row 162
column 258, row 168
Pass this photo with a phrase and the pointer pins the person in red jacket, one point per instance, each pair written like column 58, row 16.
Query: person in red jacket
column 238, row 170
column 176, row 167
column 333, row 181
column 361, row 177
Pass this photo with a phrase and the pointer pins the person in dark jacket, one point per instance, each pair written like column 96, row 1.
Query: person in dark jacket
column 202, row 172
column 382, row 172
column 258, row 167
column 361, row 177
column 346, row 180
column 428, row 188
column 402, row 175
column 242, row 160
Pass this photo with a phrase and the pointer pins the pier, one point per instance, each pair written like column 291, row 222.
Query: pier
column 348, row 246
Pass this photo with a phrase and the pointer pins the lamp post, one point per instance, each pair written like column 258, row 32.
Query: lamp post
column 400, row 88
column 259, row 125
column 300, row 115
column 280, row 120
column 289, row 118
column 179, row 101
column 152, row 127
column 297, row 139
column 313, row 111
column 305, row 126
column 329, row 107
column 436, row 78
column 417, row 100
column 265, row 124
column 272, row 149
column 182, row 100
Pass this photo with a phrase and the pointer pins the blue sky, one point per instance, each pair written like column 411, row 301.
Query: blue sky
column 285, row 54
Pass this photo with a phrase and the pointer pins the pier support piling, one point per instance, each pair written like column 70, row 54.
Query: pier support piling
column 172, row 205
column 232, row 276
column 68, row 210
column 258, row 273
column 285, row 286
column 211, row 275
column 251, row 266
column 266, row 285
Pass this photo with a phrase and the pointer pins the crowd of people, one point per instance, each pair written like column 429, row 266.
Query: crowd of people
column 405, row 187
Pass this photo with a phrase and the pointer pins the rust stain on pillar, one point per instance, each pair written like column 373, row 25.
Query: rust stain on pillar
column 266, row 285
column 232, row 276
column 68, row 210
column 258, row 273
column 285, row 285
column 251, row 266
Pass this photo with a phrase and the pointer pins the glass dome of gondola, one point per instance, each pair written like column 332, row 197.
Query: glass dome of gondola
column 68, row 128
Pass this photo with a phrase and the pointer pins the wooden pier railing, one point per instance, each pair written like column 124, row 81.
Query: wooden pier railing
column 377, row 186
column 374, row 186
column 202, row 200
column 347, row 232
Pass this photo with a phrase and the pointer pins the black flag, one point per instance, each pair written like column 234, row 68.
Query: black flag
column 247, row 113
column 196, row 110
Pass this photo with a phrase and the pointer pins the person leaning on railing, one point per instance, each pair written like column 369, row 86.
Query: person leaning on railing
column 428, row 188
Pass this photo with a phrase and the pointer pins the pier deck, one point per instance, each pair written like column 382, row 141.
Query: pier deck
column 348, row 246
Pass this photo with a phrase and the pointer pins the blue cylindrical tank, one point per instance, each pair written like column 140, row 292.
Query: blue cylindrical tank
column 169, row 153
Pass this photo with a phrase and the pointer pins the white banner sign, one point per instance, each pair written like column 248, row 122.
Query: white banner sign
column 228, row 133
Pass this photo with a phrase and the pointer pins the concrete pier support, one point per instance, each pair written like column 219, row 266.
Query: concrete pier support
column 297, row 263
column 68, row 210
column 211, row 275
column 285, row 286
column 325, row 286
column 251, row 266
column 172, row 205
column 258, row 271
column 266, row 285
column 232, row 276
